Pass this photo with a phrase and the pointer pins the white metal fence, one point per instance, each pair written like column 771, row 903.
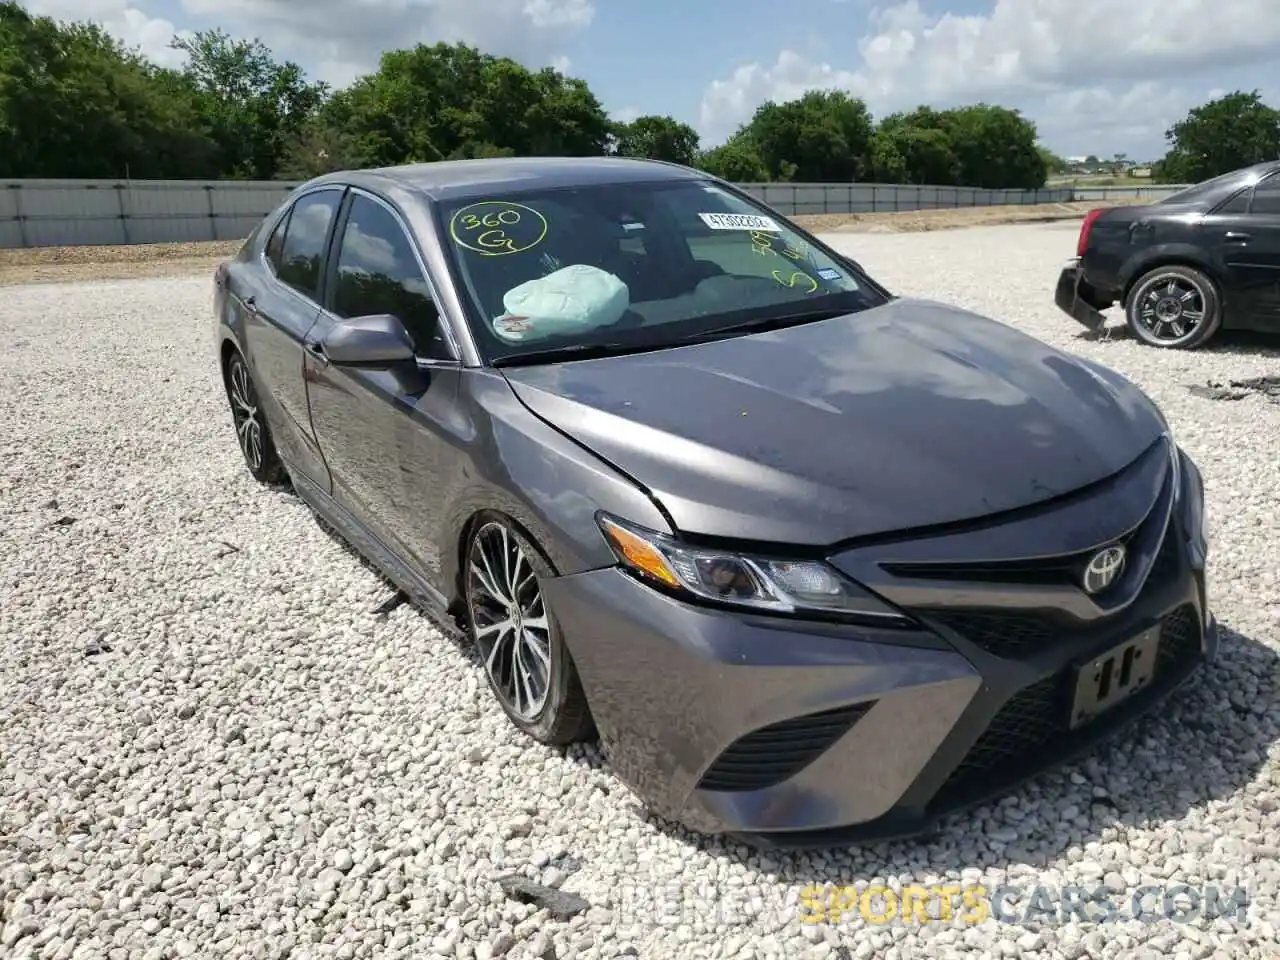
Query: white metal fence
column 53, row 213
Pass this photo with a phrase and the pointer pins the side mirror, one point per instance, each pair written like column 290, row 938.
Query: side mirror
column 377, row 339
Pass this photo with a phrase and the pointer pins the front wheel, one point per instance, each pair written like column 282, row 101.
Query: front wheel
column 1175, row 307
column 256, row 444
column 524, row 655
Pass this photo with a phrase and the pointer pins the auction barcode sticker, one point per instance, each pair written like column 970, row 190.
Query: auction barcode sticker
column 739, row 221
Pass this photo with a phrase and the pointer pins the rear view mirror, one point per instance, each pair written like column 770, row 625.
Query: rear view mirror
column 380, row 338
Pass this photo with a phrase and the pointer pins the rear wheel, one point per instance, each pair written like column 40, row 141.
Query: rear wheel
column 1175, row 307
column 252, row 432
column 524, row 655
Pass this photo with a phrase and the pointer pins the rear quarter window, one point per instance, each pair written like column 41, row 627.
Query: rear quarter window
column 305, row 237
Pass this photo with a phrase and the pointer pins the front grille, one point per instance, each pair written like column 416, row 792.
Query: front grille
column 1048, row 571
column 1035, row 719
column 772, row 754
column 1179, row 639
column 1014, row 636
column 1060, row 570
column 1027, row 721
column 1018, row 636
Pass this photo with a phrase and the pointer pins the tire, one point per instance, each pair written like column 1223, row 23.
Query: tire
column 252, row 433
column 1174, row 307
column 539, row 690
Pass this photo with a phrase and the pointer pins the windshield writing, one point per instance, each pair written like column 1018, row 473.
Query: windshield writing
column 630, row 265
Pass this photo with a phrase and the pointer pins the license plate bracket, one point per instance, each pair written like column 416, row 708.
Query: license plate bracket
column 1114, row 676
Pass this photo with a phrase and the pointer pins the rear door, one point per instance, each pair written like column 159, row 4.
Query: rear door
column 380, row 427
column 1246, row 235
column 279, row 315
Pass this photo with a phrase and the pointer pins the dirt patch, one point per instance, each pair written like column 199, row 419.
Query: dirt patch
column 118, row 262
column 72, row 264
column 952, row 218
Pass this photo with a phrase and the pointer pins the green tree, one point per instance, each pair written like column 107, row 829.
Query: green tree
column 822, row 137
column 995, row 146
column 914, row 148
column 1054, row 165
column 315, row 150
column 74, row 102
column 658, row 138
column 451, row 101
column 737, row 161
column 252, row 106
column 1236, row 130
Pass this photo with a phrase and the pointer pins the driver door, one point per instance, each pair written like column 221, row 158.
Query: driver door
column 378, row 425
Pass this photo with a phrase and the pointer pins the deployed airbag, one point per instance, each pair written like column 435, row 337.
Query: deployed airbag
column 576, row 298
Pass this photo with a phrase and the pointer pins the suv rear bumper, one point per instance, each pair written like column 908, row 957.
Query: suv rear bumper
column 1077, row 299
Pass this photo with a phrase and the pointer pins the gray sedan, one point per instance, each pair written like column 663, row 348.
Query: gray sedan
column 816, row 563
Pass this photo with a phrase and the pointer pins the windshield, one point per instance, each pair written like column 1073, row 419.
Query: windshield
column 630, row 266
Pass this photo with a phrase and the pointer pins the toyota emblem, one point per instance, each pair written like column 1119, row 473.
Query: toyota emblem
column 1104, row 569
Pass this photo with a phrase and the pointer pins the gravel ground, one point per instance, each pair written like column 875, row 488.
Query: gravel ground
column 212, row 745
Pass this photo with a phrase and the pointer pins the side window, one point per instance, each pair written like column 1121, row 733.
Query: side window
column 378, row 273
column 275, row 244
column 304, row 240
column 1266, row 197
column 1238, row 204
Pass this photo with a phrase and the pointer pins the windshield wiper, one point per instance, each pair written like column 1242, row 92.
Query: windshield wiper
column 574, row 351
column 762, row 324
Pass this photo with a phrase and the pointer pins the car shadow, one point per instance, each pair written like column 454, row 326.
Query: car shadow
column 1211, row 738
column 1213, row 735
column 1236, row 342
column 1244, row 343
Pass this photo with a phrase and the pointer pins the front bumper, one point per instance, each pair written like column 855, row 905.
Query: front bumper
column 793, row 733
column 1076, row 298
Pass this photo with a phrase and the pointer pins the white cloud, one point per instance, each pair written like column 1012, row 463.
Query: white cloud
column 627, row 114
column 553, row 14
column 132, row 25
column 1097, row 116
column 1139, row 59
column 727, row 103
column 344, row 38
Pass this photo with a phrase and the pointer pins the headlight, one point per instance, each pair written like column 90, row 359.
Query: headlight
column 760, row 583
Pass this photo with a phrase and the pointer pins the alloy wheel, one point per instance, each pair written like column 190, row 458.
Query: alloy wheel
column 1171, row 307
column 245, row 412
column 510, row 620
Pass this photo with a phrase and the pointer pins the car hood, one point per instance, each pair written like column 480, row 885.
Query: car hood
column 906, row 415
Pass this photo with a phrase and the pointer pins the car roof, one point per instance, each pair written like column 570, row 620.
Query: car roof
column 466, row 179
column 1215, row 189
column 1250, row 174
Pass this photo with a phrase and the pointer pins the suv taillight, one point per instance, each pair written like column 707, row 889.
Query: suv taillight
column 1085, row 227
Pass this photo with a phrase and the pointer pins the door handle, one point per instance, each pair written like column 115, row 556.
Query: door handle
column 1235, row 236
column 316, row 349
column 251, row 304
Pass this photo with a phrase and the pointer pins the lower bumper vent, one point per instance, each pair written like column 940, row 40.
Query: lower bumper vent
column 772, row 754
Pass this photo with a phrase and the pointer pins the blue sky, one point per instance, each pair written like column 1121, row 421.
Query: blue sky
column 1097, row 76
